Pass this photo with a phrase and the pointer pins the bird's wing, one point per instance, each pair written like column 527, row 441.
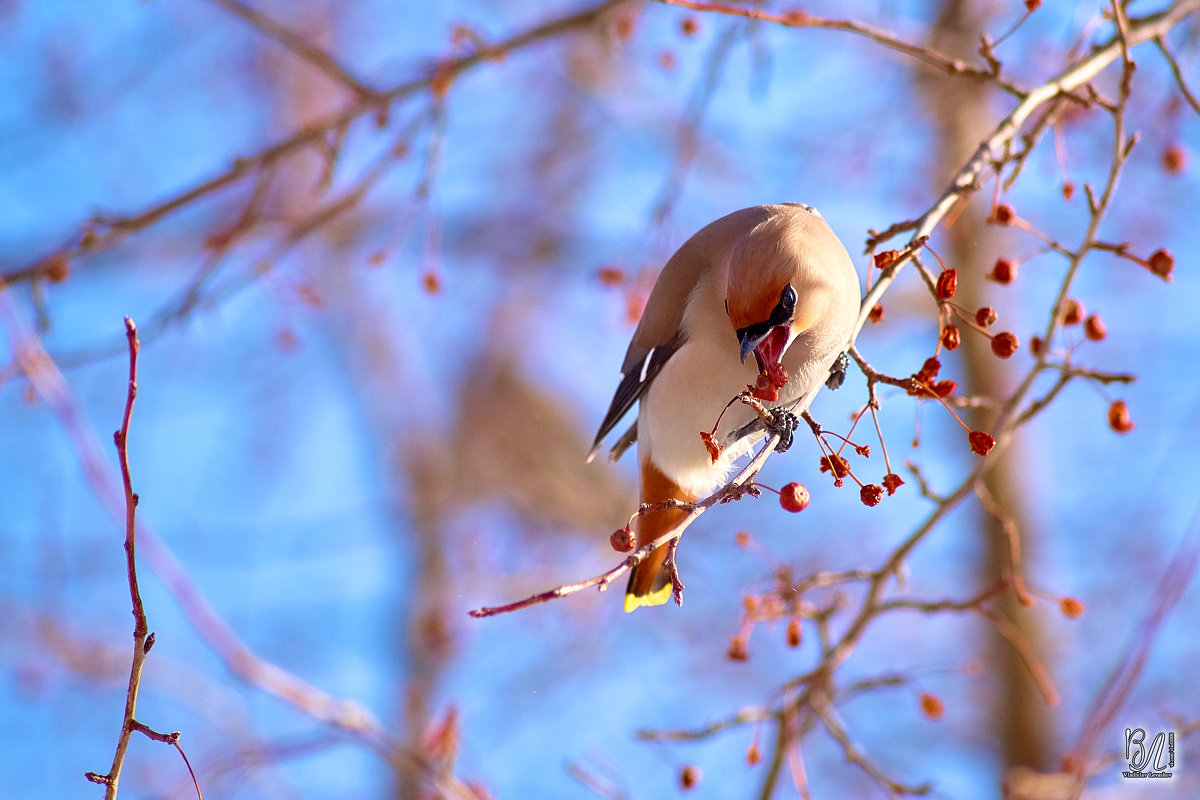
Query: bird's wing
column 661, row 333
column 641, row 366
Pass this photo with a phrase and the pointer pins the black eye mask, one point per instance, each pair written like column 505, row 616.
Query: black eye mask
column 781, row 315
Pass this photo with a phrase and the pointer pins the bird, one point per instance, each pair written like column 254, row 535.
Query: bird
column 772, row 281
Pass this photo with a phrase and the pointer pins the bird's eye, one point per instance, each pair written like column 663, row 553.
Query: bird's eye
column 787, row 299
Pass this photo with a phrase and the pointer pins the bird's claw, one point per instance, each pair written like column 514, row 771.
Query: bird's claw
column 784, row 426
column 837, row 372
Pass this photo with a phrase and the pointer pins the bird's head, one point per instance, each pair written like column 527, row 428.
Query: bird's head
column 773, row 293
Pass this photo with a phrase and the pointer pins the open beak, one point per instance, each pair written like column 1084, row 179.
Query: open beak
column 768, row 348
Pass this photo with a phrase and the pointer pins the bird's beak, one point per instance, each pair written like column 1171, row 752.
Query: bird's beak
column 768, row 348
column 748, row 342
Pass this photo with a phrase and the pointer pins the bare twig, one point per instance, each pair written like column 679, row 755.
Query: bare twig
column 141, row 645
column 1177, row 73
column 296, row 43
column 736, row 488
column 103, row 232
column 801, row 19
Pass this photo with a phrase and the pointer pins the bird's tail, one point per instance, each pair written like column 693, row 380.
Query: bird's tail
column 649, row 583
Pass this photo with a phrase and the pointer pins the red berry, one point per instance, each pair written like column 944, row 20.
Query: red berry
column 1004, row 271
column 876, row 314
column 611, row 276
column 1093, row 328
column 1005, row 344
column 985, row 316
column 689, row 777
column 892, row 482
column 950, row 337
column 1162, row 264
column 795, row 633
column 835, row 464
column 932, row 706
column 1174, row 159
column 1035, row 345
column 981, row 442
column 1118, row 417
column 794, row 497
column 622, row 541
column 947, row 284
column 871, row 494
column 737, row 650
column 886, row 258
column 1072, row 312
column 1003, row 214
column 1071, row 608
column 57, row 268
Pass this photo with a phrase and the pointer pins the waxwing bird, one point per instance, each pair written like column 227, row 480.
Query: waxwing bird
column 769, row 281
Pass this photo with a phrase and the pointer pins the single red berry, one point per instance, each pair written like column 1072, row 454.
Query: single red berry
column 1004, row 344
column 947, row 284
column 1004, row 271
column 753, row 754
column 1174, row 160
column 1162, row 264
column 835, row 464
column 876, row 314
column 932, row 706
column 929, row 369
column 710, row 444
column 886, row 258
column 611, row 276
column 624, row 26
column 1118, row 417
column 737, row 650
column 985, row 316
column 1003, row 214
column 794, row 497
column 892, row 482
column 689, row 26
column 1072, row 312
column 1071, row 608
column 950, row 337
column 871, row 494
column 1093, row 328
column 981, row 442
column 57, row 268
column 944, row 388
column 1035, row 345
column 742, row 539
column 795, row 633
column 1068, row 190
column 622, row 541
column 689, row 777
column 1032, row 5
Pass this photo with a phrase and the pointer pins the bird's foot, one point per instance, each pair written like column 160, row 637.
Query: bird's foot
column 784, row 426
column 837, row 372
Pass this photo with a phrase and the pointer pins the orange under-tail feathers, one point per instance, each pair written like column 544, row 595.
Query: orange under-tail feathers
column 648, row 586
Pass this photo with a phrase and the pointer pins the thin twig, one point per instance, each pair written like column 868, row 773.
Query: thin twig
column 140, row 626
column 801, row 19
column 296, row 43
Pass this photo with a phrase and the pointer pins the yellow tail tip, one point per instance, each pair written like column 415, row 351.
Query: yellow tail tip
column 655, row 598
